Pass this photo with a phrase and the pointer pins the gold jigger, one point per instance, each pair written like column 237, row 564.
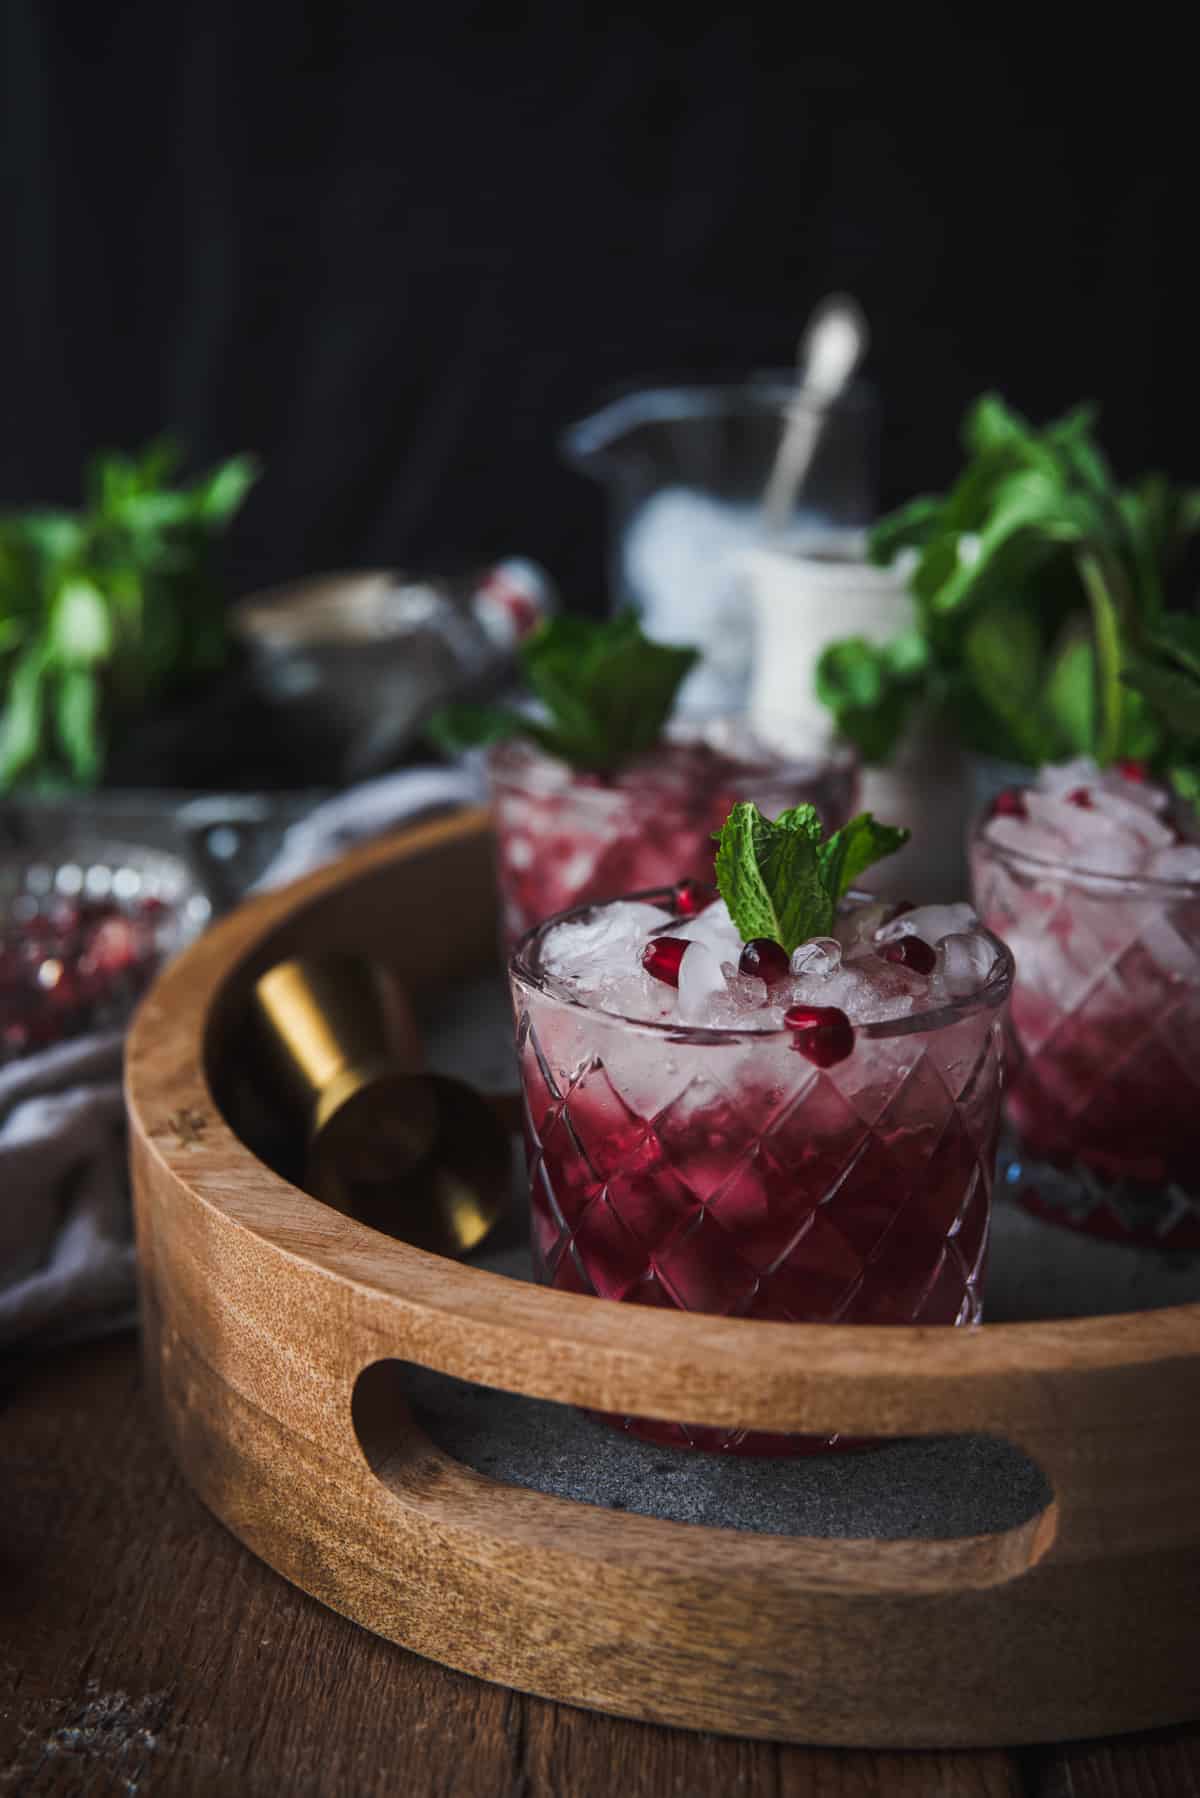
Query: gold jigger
column 417, row 1155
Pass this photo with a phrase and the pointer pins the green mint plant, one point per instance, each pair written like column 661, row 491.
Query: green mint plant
column 1167, row 673
column 783, row 879
column 606, row 688
column 1035, row 579
column 104, row 609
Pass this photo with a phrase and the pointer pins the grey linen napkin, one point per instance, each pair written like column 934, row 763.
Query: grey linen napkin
column 66, row 1249
column 66, row 1235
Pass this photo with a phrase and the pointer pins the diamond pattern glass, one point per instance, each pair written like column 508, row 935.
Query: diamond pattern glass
column 1105, row 1089
column 568, row 838
column 717, row 1173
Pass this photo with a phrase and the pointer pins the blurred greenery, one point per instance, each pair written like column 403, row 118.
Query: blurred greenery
column 607, row 691
column 1036, row 582
column 105, row 609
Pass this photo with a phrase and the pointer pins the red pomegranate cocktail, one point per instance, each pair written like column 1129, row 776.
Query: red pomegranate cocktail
column 1091, row 882
column 568, row 836
column 720, row 1127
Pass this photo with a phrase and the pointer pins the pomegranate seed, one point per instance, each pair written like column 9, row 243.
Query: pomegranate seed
column 662, row 956
column 1009, row 804
column 1133, row 770
column 911, row 952
column 59, row 968
column 769, row 960
column 1080, row 797
column 821, row 1033
column 691, row 896
column 114, row 946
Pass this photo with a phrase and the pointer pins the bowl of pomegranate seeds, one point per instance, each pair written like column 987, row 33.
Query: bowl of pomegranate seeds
column 83, row 930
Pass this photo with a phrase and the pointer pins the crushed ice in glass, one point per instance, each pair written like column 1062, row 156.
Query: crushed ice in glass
column 1123, row 829
column 597, row 958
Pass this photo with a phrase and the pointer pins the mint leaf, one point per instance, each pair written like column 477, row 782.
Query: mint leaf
column 1172, row 693
column 21, row 719
column 220, row 494
column 872, row 688
column 607, row 688
column 1069, row 696
column 992, row 427
column 1178, row 636
column 909, row 527
column 1165, row 682
column 1159, row 520
column 80, row 627
column 781, row 881
column 1102, row 584
column 853, row 849
column 458, row 727
column 1002, row 651
column 770, row 877
column 1185, row 778
column 76, row 717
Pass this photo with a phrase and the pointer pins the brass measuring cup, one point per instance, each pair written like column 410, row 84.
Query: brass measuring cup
column 417, row 1155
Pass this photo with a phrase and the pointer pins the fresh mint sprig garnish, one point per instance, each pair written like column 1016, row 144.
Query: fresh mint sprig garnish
column 783, row 880
column 607, row 689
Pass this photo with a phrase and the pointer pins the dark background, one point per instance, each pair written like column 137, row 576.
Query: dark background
column 396, row 249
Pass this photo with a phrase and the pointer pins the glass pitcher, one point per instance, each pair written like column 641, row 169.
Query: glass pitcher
column 686, row 469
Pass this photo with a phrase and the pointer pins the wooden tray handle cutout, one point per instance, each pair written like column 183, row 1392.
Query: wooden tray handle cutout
column 424, row 1479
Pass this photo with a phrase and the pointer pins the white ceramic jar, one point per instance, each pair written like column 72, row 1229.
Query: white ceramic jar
column 809, row 593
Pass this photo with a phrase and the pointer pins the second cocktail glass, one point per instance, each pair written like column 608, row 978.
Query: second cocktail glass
column 565, row 836
column 1105, row 1097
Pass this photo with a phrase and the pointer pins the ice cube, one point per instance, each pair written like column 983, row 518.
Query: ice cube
column 845, row 987
column 880, row 990
column 859, row 923
column 1087, row 837
column 747, row 991
column 1145, row 794
column 1023, row 837
column 1180, row 861
column 701, row 981
column 714, row 928
column 604, row 941
column 929, row 922
column 965, row 959
column 820, row 956
column 1138, row 820
column 1061, row 778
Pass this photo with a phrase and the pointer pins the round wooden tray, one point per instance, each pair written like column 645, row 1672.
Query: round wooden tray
column 273, row 1326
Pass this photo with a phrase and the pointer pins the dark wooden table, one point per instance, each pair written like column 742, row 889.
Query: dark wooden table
column 143, row 1650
